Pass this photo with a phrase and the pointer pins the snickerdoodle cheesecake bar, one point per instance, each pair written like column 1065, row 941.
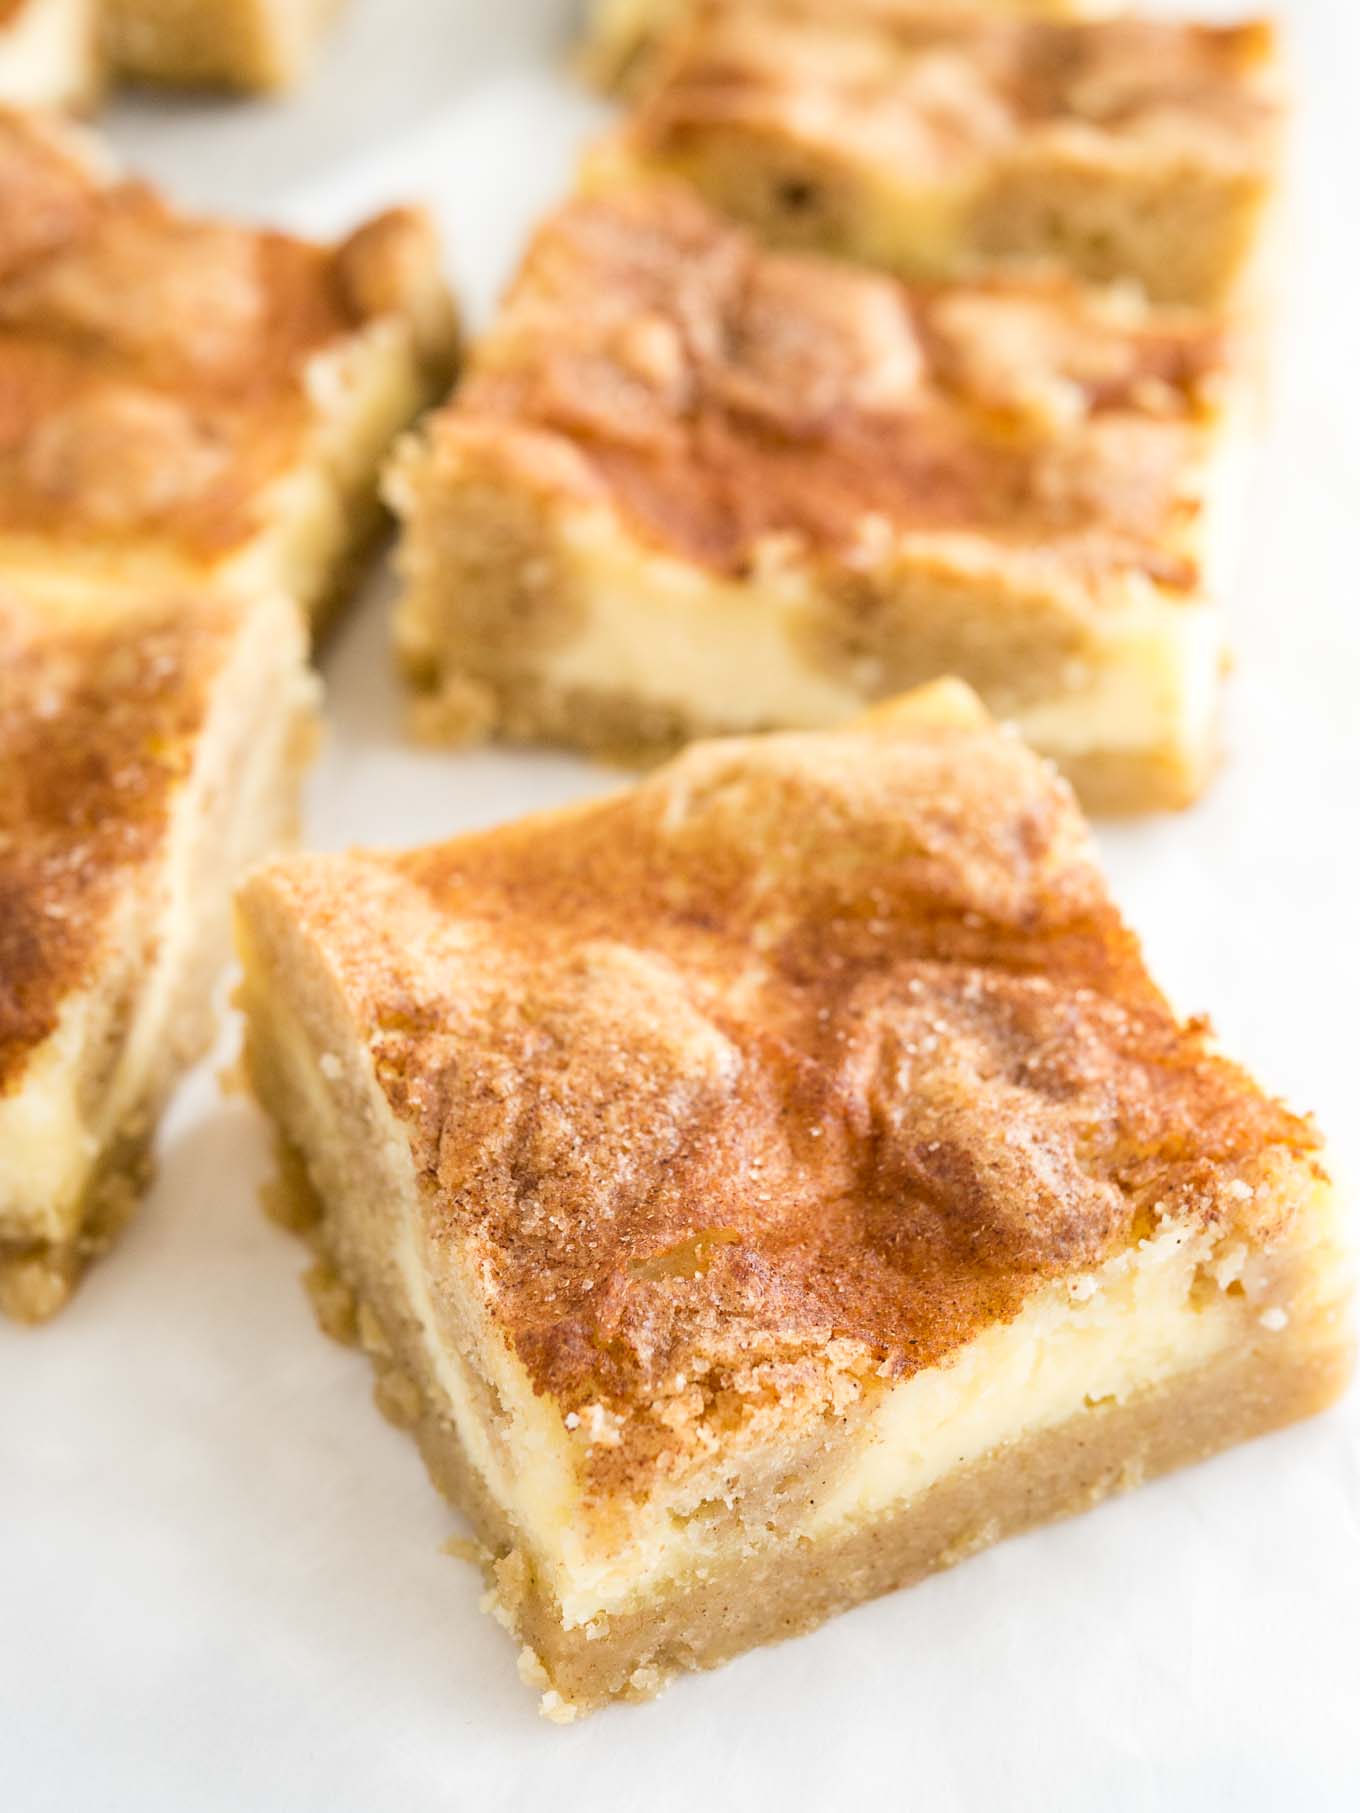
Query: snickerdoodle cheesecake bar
column 50, row 53
column 936, row 145
column 193, row 403
column 777, row 1181
column 692, row 486
column 623, row 36
column 233, row 44
column 148, row 754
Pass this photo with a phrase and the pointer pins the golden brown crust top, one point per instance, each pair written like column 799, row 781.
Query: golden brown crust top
column 154, row 367
column 725, row 397
column 98, row 719
column 48, row 181
column 784, row 1072
column 932, row 93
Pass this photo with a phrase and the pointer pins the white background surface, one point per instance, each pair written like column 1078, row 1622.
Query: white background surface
column 221, row 1584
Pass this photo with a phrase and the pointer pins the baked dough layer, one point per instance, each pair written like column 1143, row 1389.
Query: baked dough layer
column 693, row 487
column 728, row 1165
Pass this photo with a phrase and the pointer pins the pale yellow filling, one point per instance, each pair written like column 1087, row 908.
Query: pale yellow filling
column 1107, row 1335
column 47, row 1149
column 1130, row 1326
column 48, row 54
column 733, row 655
column 364, row 393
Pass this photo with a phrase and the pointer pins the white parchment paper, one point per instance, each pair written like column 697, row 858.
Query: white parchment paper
column 221, row 1585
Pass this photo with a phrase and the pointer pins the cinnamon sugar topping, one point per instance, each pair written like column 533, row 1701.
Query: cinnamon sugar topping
column 907, row 85
column 97, row 722
column 781, row 1074
column 725, row 397
column 153, row 366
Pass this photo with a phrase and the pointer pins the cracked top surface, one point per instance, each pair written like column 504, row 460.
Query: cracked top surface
column 98, row 719
column 937, row 93
column 783, row 1072
column 154, row 366
column 729, row 400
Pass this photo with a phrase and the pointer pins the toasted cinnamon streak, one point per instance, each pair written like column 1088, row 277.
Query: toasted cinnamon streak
column 50, row 53
column 236, row 44
column 148, row 753
column 186, row 402
column 938, row 145
column 692, row 486
column 777, row 1181
column 624, row 36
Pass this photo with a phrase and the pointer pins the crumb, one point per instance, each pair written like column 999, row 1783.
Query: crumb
column 461, row 712
column 463, row 1548
column 333, row 1305
column 398, row 1397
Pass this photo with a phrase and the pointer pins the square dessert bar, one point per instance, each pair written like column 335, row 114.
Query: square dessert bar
column 938, row 146
column 692, row 486
column 189, row 402
column 50, row 53
column 245, row 44
column 148, row 754
column 777, row 1181
column 623, row 36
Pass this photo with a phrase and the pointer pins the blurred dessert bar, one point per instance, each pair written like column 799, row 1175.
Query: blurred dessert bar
column 192, row 402
column 939, row 146
column 692, row 486
column 148, row 755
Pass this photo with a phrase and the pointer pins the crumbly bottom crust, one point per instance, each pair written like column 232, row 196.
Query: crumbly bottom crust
column 39, row 1277
column 1118, row 783
column 618, row 727
column 794, row 1586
